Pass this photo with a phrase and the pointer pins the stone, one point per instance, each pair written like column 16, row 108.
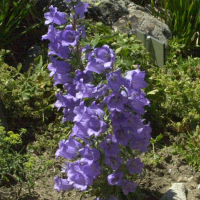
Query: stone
column 176, row 192
column 143, row 21
column 107, row 11
column 127, row 17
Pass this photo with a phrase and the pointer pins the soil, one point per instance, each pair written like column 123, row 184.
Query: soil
column 156, row 179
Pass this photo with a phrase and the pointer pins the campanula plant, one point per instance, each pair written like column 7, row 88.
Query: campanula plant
column 104, row 105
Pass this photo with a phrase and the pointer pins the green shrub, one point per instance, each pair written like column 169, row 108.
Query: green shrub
column 10, row 158
column 28, row 98
column 174, row 93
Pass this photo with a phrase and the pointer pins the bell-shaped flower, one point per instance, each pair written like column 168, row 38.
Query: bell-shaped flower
column 139, row 144
column 115, row 102
column 100, row 90
column 69, row 36
column 62, row 184
column 114, row 162
column 59, row 50
column 58, row 67
column 115, row 178
column 114, row 80
column 128, row 186
column 134, row 165
column 136, row 79
column 91, row 154
column 121, row 135
column 77, row 177
column 54, row 16
column 106, row 55
column 92, row 169
column 68, row 149
column 110, row 148
column 52, row 34
column 80, row 8
column 62, row 78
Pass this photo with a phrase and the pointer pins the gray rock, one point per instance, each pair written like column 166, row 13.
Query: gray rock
column 176, row 192
column 143, row 21
column 107, row 11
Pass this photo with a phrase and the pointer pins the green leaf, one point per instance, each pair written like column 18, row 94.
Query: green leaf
column 159, row 137
column 95, row 41
column 153, row 92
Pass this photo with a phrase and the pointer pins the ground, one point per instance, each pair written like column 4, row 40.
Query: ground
column 153, row 182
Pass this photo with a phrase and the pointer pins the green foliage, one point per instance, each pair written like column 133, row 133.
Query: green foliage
column 188, row 146
column 174, row 93
column 183, row 19
column 12, row 14
column 10, row 159
column 35, row 168
column 27, row 97
column 16, row 167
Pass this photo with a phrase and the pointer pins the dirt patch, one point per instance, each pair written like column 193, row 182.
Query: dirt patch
column 153, row 182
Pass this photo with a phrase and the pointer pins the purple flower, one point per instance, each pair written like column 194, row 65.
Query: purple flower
column 59, row 50
column 68, row 149
column 106, row 55
column 136, row 79
column 95, row 65
column 77, row 177
column 100, row 90
column 83, row 77
column 134, row 121
column 115, row 178
column 62, row 184
column 98, row 109
column 134, row 165
column 92, row 169
column 52, row 34
column 54, row 16
column 114, row 80
column 84, row 90
column 57, row 66
column 91, row 154
column 70, row 1
column 62, row 79
column 110, row 148
column 122, row 135
column 80, row 8
column 119, row 119
column 69, row 36
column 114, row 162
column 66, row 101
column 128, row 186
column 101, row 59
column 139, row 144
column 88, row 121
column 115, row 102
column 80, row 132
column 143, row 132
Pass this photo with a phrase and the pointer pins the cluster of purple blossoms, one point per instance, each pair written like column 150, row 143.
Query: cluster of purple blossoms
column 117, row 119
